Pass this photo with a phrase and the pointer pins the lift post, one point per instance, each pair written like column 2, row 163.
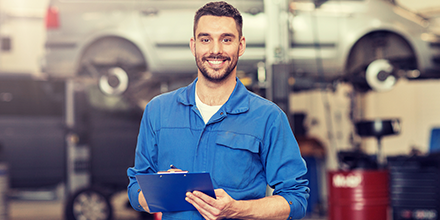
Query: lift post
column 277, row 49
column 77, row 151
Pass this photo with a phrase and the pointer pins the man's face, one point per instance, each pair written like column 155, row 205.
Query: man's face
column 216, row 47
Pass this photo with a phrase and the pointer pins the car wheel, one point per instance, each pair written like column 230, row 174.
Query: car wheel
column 379, row 75
column 114, row 66
column 118, row 69
column 114, row 62
column 114, row 81
column 376, row 59
column 89, row 204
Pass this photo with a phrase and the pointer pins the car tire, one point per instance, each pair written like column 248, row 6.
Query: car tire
column 375, row 60
column 114, row 62
column 89, row 204
column 114, row 66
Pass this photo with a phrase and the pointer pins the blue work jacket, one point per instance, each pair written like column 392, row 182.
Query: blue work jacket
column 246, row 145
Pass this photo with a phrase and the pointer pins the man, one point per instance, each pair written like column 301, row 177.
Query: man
column 216, row 125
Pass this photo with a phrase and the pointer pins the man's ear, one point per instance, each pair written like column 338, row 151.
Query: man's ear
column 192, row 45
column 242, row 46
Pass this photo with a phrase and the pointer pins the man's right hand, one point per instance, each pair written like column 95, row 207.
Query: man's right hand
column 143, row 202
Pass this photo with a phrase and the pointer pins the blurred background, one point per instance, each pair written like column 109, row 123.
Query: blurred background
column 358, row 79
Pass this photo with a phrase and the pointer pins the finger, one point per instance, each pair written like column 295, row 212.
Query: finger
column 174, row 170
column 195, row 198
column 205, row 203
column 219, row 193
column 203, row 212
column 205, row 198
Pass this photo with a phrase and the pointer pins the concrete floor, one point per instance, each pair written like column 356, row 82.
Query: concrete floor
column 42, row 208
column 28, row 209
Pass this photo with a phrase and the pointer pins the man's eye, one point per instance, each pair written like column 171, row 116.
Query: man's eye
column 205, row 40
column 227, row 40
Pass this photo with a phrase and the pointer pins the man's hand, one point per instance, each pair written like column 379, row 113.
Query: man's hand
column 143, row 202
column 210, row 208
column 272, row 207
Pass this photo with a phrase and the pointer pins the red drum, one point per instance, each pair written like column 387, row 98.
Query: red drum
column 358, row 195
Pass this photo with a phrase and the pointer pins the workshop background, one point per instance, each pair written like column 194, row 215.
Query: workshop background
column 65, row 113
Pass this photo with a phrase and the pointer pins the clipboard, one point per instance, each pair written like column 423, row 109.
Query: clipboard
column 165, row 192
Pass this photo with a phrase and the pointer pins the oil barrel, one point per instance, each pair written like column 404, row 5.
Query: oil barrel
column 414, row 187
column 358, row 194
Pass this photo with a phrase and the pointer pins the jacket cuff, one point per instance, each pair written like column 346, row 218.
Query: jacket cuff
column 297, row 207
column 133, row 196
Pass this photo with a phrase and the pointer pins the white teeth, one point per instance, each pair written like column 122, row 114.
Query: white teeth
column 215, row 62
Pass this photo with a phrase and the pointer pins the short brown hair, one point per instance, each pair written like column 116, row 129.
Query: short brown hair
column 220, row 9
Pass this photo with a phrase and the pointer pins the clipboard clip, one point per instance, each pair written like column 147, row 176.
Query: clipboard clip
column 173, row 169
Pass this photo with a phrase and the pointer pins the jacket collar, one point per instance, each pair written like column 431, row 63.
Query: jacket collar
column 237, row 103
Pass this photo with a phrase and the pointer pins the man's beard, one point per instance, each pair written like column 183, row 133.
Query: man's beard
column 218, row 77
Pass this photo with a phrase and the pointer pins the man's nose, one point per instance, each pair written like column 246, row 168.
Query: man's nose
column 216, row 48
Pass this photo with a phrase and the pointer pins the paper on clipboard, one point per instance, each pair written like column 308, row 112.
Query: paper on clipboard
column 165, row 192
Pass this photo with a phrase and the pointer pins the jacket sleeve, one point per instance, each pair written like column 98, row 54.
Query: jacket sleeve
column 285, row 166
column 145, row 158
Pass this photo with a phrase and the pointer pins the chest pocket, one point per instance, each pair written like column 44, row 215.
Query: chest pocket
column 237, row 162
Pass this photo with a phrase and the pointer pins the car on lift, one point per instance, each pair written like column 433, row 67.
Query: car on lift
column 134, row 49
column 121, row 43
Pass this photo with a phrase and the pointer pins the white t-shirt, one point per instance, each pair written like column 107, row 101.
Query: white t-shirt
column 207, row 111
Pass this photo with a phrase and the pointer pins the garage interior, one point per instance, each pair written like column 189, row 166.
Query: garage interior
column 370, row 154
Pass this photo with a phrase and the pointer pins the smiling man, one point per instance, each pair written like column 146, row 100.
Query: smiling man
column 216, row 125
column 217, row 46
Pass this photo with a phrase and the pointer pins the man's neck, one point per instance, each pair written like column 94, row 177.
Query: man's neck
column 213, row 93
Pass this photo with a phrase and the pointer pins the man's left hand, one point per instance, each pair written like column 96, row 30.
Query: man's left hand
column 210, row 208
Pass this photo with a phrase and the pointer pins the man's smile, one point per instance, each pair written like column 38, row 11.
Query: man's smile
column 216, row 61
